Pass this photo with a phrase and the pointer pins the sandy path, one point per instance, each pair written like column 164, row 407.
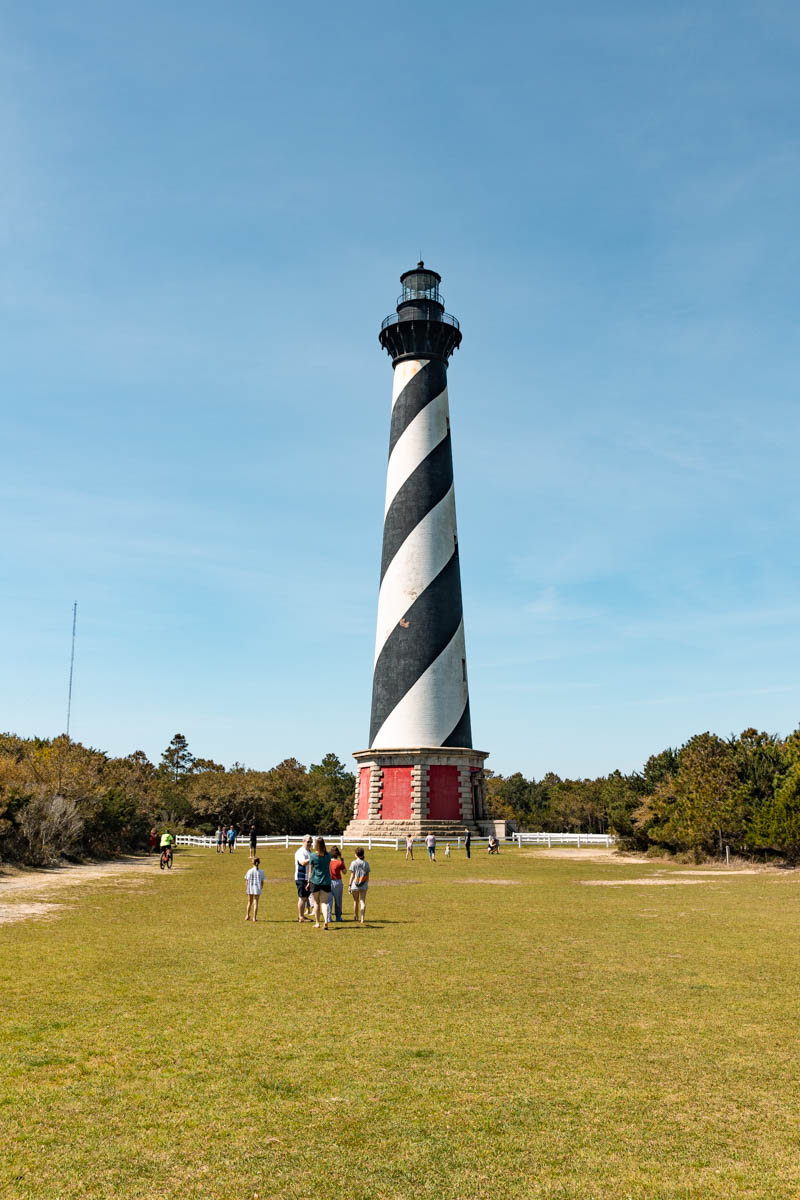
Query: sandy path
column 611, row 857
column 20, row 889
column 596, row 854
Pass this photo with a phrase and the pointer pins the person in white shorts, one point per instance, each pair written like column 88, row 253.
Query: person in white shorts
column 254, row 882
column 359, row 882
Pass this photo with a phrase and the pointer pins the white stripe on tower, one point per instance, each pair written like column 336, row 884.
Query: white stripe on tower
column 426, row 430
column 432, row 708
column 424, row 553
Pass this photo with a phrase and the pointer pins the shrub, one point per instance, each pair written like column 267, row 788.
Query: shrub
column 50, row 826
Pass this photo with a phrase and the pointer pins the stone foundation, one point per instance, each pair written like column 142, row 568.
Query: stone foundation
column 438, row 789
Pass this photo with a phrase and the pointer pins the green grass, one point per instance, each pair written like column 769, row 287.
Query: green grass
column 541, row 1039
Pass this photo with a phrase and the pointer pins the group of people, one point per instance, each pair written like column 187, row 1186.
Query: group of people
column 226, row 835
column 430, row 843
column 318, row 875
column 319, row 878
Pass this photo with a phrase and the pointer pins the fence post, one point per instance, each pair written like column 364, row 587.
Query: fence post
column 397, row 843
column 369, row 843
column 579, row 841
column 287, row 841
column 549, row 842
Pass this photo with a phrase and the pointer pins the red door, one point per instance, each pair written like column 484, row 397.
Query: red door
column 444, row 801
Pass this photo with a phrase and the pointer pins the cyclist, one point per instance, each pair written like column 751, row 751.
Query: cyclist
column 167, row 842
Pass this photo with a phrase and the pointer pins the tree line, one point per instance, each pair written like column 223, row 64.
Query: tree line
column 741, row 792
column 58, row 797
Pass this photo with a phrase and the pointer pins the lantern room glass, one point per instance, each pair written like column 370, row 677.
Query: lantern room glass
column 421, row 285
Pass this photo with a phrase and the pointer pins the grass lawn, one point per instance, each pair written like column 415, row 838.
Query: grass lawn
column 497, row 1030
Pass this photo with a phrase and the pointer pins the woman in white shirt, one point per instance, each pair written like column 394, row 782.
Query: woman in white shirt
column 254, row 882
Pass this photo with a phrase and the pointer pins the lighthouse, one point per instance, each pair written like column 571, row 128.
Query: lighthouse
column 420, row 773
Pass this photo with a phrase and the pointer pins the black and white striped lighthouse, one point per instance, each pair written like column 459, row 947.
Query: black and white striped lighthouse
column 420, row 770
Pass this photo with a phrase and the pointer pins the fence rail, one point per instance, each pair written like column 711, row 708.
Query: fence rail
column 398, row 843
column 563, row 839
column 285, row 840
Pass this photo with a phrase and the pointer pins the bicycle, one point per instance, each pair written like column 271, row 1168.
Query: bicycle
column 166, row 858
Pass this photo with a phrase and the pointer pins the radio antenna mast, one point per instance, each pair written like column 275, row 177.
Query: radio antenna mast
column 71, row 662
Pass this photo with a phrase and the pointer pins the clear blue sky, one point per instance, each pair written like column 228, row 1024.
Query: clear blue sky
column 204, row 212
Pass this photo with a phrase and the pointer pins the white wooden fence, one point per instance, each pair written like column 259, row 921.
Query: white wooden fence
column 285, row 840
column 563, row 839
column 397, row 843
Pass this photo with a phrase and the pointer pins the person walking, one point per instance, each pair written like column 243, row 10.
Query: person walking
column 224, row 839
column 430, row 842
column 320, row 861
column 302, row 859
column 337, row 884
column 253, row 841
column 218, row 839
column 231, row 839
column 467, row 841
column 152, row 841
column 409, row 847
column 254, row 882
column 359, row 882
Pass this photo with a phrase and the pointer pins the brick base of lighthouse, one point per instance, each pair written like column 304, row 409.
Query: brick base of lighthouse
column 437, row 790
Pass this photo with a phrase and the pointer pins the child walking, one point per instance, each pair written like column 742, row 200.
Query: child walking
column 254, row 882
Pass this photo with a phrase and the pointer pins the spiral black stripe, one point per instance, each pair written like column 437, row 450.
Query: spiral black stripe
column 426, row 385
column 407, row 653
column 462, row 734
column 421, row 492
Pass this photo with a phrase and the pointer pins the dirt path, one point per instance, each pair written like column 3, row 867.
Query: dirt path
column 610, row 857
column 20, row 889
column 595, row 854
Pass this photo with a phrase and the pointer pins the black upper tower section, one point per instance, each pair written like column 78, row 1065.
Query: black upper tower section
column 420, row 328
